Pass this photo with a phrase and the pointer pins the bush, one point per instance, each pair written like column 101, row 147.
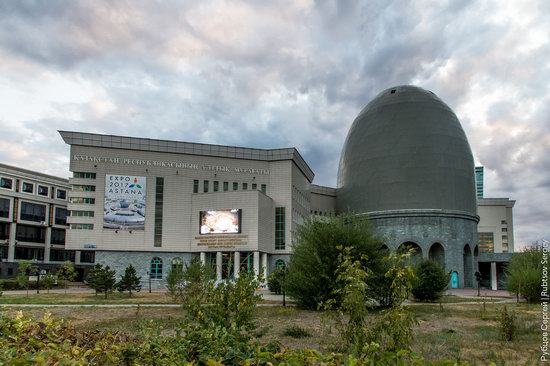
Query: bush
column 276, row 279
column 130, row 281
column 507, row 324
column 312, row 269
column 431, row 280
column 524, row 274
column 295, row 331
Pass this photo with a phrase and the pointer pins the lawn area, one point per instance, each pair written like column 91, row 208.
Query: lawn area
column 86, row 298
column 458, row 331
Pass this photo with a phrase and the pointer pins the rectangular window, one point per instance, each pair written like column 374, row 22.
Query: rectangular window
column 503, row 222
column 83, row 188
column 4, row 231
column 264, row 188
column 159, row 205
column 216, row 185
column 33, row 212
column 280, row 228
column 504, row 230
column 3, row 253
column 82, row 226
column 43, row 190
column 31, row 234
column 196, row 186
column 254, row 186
column 60, row 216
column 235, row 186
column 4, row 208
column 6, row 183
column 245, row 186
column 27, row 187
column 504, row 237
column 486, row 242
column 85, row 175
column 87, row 256
column 225, row 186
column 82, row 213
column 83, row 200
column 58, row 236
column 33, row 254
column 205, row 186
column 61, row 255
column 61, row 194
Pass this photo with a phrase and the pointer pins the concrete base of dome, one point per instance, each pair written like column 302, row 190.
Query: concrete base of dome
column 454, row 231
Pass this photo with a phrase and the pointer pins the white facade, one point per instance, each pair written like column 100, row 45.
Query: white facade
column 496, row 218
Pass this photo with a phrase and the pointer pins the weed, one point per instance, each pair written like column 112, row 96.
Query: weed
column 507, row 324
column 296, row 331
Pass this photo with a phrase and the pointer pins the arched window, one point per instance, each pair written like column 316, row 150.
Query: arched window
column 156, row 268
column 281, row 264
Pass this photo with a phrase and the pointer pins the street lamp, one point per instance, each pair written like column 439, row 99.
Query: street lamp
column 149, row 274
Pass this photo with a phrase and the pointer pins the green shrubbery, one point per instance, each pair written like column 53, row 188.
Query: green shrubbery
column 431, row 280
column 524, row 274
column 276, row 279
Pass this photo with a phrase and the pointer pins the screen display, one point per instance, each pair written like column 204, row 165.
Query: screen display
column 226, row 221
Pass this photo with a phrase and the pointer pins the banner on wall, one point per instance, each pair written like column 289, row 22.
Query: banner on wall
column 125, row 202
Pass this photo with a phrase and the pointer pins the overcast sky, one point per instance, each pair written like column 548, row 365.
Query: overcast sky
column 277, row 74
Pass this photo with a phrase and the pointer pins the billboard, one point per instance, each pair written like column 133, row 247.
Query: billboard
column 225, row 221
column 125, row 202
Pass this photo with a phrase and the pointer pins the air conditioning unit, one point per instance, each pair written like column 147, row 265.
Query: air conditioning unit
column 43, row 223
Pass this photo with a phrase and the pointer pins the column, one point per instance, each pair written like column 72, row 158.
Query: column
column 256, row 263
column 203, row 258
column 219, row 265
column 77, row 257
column 264, row 268
column 494, row 281
column 11, row 244
column 47, row 245
column 237, row 259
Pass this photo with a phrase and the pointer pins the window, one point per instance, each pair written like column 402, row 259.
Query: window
column 3, row 253
column 4, row 207
column 85, row 175
column 58, row 236
column 4, row 231
column 196, row 186
column 504, row 237
column 82, row 226
column 156, row 269
column 43, row 190
column 254, row 186
column 216, row 185
column 61, row 194
column 6, row 183
column 503, row 222
column 83, row 188
column 205, row 186
column 245, row 186
column 61, row 255
column 87, row 256
column 264, row 188
column 31, row 234
column 486, row 242
column 36, row 254
column 60, row 216
column 177, row 263
column 82, row 213
column 159, row 204
column 225, row 186
column 83, row 200
column 235, row 186
column 504, row 230
column 33, row 212
column 27, row 187
column 280, row 264
column 280, row 228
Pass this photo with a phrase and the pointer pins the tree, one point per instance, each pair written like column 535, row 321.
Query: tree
column 312, row 269
column 524, row 274
column 275, row 280
column 130, row 281
column 92, row 277
column 48, row 281
column 175, row 282
column 430, row 282
column 66, row 273
column 105, row 280
column 24, row 271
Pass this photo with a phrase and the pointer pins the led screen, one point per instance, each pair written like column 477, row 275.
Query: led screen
column 227, row 221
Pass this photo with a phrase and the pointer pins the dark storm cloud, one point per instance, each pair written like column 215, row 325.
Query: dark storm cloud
column 275, row 74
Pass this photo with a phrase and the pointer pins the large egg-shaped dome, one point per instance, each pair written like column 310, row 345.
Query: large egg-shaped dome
column 406, row 150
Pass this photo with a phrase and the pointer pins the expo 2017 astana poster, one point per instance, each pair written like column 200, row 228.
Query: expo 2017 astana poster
column 125, row 202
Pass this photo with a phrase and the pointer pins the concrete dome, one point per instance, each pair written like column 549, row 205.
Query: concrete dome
column 406, row 150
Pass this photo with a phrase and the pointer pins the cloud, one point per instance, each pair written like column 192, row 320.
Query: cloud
column 274, row 74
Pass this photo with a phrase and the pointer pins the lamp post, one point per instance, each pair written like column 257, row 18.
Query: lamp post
column 284, row 294
column 37, row 281
column 149, row 274
column 478, row 278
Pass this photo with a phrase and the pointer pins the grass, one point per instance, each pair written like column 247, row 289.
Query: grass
column 87, row 298
column 457, row 331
